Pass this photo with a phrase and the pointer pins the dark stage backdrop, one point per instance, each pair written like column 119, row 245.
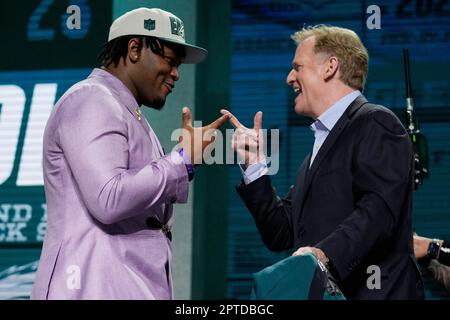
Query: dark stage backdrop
column 262, row 52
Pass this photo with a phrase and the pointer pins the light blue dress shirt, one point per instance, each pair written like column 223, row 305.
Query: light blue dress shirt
column 326, row 121
column 321, row 127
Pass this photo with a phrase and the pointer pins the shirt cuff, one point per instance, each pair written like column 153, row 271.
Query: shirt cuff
column 254, row 171
column 187, row 162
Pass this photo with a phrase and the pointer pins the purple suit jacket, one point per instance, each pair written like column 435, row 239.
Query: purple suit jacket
column 104, row 174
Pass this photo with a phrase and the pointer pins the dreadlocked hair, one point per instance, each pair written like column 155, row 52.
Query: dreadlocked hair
column 117, row 49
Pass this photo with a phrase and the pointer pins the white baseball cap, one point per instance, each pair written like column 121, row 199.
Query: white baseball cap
column 159, row 24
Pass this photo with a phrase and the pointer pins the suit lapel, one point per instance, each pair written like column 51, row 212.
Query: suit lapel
column 301, row 180
column 326, row 146
column 306, row 176
column 332, row 137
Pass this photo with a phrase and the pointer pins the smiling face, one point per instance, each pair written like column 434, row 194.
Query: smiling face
column 307, row 79
column 154, row 76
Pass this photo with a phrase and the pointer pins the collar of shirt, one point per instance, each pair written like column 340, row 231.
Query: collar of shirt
column 327, row 120
column 117, row 86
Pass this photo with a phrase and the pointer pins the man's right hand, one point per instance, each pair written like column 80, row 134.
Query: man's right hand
column 186, row 140
column 247, row 143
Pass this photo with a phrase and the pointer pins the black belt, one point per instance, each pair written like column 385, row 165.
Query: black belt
column 154, row 223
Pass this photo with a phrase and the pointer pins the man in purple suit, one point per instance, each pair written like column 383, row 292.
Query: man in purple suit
column 109, row 187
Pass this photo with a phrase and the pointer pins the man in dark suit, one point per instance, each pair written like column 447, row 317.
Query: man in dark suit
column 352, row 200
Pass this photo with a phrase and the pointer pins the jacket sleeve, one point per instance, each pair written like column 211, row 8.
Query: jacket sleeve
column 93, row 136
column 382, row 180
column 272, row 215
